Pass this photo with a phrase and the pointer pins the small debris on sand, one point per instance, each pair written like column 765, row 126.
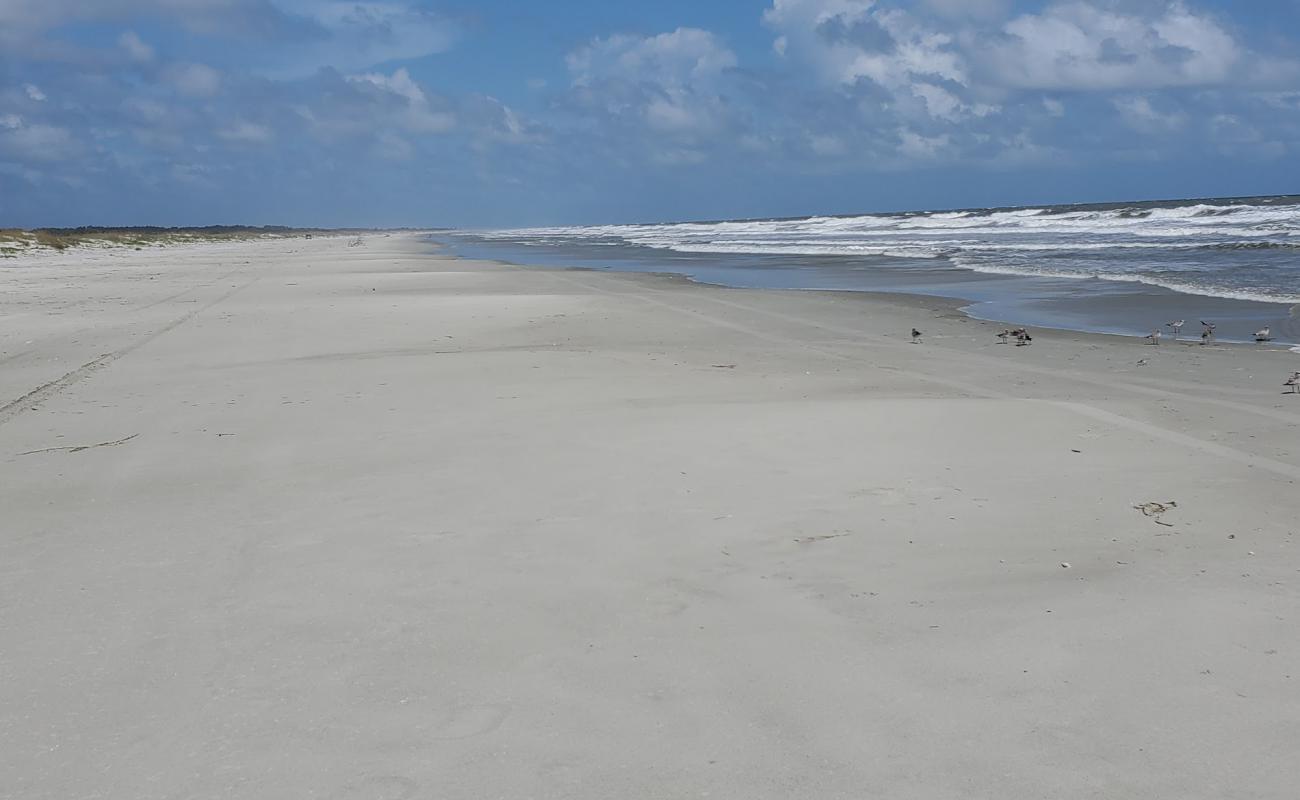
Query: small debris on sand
column 80, row 447
column 1154, row 509
column 811, row 539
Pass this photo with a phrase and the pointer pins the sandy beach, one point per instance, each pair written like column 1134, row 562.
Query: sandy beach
column 296, row 519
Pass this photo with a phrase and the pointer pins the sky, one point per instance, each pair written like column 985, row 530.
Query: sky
column 502, row 113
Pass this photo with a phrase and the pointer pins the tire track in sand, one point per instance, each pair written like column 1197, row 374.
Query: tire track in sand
column 33, row 399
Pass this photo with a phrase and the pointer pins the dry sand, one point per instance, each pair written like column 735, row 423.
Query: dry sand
column 371, row 523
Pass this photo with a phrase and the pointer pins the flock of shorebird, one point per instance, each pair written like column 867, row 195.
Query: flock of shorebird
column 1021, row 337
column 1207, row 332
column 1264, row 334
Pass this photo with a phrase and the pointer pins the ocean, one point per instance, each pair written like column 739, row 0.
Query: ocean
column 1122, row 268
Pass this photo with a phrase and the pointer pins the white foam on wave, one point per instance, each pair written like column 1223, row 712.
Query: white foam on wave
column 1153, row 224
column 1182, row 287
column 1002, row 242
column 928, row 248
column 771, row 248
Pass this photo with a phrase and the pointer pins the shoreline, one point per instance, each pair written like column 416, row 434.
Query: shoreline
column 964, row 306
column 1123, row 268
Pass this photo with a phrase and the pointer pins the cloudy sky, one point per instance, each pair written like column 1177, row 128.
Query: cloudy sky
column 506, row 112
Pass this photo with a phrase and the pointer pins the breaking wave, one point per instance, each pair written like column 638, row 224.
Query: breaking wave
column 1243, row 249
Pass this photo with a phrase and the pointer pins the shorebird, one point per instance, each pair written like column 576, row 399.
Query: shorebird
column 1005, row 335
column 916, row 336
column 1293, row 382
column 1177, row 326
column 1154, row 336
column 1264, row 335
column 1206, row 336
column 1023, row 338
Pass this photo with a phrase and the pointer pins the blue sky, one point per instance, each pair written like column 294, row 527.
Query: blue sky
column 499, row 113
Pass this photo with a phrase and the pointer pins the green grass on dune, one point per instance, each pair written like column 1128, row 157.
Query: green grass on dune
column 14, row 241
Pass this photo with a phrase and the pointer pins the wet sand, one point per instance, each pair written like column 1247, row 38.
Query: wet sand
column 1091, row 305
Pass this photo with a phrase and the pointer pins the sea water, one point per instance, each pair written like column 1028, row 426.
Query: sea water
column 1116, row 268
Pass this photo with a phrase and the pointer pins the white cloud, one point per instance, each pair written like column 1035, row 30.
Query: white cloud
column 684, row 56
column 359, row 35
column 1140, row 115
column 942, row 104
column 399, row 83
column 922, row 148
column 418, row 116
column 197, row 80
column 493, row 121
column 22, row 20
column 135, row 47
column 977, row 9
column 670, row 84
column 1080, row 45
column 848, row 42
column 938, row 78
column 37, row 142
column 858, row 85
column 511, row 126
column 1074, row 45
column 303, row 35
column 668, row 114
column 34, row 93
column 801, row 24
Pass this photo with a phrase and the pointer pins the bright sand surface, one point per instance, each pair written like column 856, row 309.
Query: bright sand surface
column 382, row 524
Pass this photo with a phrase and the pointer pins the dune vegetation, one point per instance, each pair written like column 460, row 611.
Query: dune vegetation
column 14, row 241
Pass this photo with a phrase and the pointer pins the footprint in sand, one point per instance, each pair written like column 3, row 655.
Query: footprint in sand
column 463, row 722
